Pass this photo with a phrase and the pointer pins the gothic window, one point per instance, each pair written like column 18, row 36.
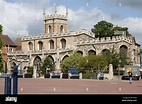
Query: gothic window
column 61, row 29
column 92, row 52
column 63, row 42
column 51, row 44
column 105, row 52
column 40, row 45
column 49, row 29
column 80, row 52
column 30, row 46
column 123, row 49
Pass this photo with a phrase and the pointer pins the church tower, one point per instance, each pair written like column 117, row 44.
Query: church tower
column 55, row 24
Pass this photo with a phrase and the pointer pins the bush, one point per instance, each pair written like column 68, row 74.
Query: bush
column 30, row 70
column 87, row 75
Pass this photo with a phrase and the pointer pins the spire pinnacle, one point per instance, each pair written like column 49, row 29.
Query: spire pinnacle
column 67, row 11
column 55, row 9
column 44, row 11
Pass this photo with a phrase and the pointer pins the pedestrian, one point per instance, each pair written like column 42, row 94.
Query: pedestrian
column 101, row 76
column 130, row 76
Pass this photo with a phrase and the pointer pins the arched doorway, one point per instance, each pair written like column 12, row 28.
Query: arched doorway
column 37, row 65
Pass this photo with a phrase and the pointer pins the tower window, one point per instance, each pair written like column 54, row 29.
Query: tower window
column 49, row 29
column 61, row 29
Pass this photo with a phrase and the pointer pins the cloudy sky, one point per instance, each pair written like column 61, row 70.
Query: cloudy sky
column 25, row 17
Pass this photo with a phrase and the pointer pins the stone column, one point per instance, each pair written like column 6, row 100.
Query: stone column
column 110, row 71
column 34, row 71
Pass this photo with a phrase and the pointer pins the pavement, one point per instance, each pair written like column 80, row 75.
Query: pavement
column 75, row 86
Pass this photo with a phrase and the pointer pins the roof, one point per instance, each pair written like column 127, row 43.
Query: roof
column 7, row 41
column 18, row 41
column 18, row 47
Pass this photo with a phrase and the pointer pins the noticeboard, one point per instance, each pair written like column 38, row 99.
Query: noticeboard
column 73, row 70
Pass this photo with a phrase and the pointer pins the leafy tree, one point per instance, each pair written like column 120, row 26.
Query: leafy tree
column 94, row 62
column 1, row 44
column 100, row 62
column 113, row 58
column 107, row 29
column 103, row 29
column 47, row 63
column 72, row 61
column 117, row 28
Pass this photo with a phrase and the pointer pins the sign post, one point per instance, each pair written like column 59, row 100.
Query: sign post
column 15, row 80
column 7, row 85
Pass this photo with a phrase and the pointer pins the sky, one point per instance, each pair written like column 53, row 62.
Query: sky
column 25, row 17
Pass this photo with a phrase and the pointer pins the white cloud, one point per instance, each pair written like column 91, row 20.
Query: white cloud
column 134, row 26
column 22, row 19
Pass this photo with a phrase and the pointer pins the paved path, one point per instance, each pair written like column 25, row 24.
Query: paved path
column 75, row 86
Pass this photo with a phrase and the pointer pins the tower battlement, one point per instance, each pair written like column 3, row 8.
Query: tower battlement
column 55, row 16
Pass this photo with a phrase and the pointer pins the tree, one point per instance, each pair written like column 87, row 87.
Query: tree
column 102, row 29
column 47, row 63
column 107, row 29
column 1, row 44
column 72, row 61
column 124, row 29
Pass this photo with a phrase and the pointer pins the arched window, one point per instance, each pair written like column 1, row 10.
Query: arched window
column 49, row 29
column 40, row 45
column 51, row 44
column 30, row 46
column 105, row 52
column 91, row 52
column 80, row 52
column 61, row 29
column 123, row 49
column 63, row 42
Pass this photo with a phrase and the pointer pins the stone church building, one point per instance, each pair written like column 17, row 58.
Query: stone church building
column 58, row 44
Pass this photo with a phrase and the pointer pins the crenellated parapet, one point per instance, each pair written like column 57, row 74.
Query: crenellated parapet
column 48, row 17
column 114, row 39
column 71, row 33
column 90, row 40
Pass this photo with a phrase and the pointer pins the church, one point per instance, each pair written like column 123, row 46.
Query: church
column 57, row 43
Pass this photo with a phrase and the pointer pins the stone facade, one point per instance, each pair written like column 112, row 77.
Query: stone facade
column 59, row 44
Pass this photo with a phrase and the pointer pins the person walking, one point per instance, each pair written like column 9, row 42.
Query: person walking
column 130, row 76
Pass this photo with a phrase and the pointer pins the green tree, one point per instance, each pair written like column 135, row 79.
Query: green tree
column 102, row 29
column 100, row 62
column 113, row 58
column 72, row 61
column 94, row 62
column 1, row 44
column 117, row 28
column 47, row 63
column 107, row 29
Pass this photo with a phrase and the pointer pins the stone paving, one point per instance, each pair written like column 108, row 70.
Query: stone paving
column 75, row 86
